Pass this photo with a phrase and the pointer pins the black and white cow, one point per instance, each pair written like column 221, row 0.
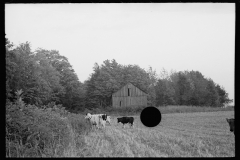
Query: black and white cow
column 231, row 124
column 125, row 120
column 98, row 119
column 106, row 118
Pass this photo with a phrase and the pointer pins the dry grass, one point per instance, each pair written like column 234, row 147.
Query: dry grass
column 55, row 133
column 163, row 109
column 204, row 134
column 191, row 109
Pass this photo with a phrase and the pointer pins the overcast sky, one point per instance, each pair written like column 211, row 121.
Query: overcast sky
column 177, row 36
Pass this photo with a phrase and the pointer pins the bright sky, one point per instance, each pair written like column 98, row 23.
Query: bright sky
column 178, row 36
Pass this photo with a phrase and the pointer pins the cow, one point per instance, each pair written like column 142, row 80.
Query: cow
column 93, row 119
column 106, row 118
column 125, row 120
column 231, row 124
column 97, row 119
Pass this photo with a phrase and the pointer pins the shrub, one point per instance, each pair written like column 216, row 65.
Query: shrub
column 79, row 124
column 41, row 132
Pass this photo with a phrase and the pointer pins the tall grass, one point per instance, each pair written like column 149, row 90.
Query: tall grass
column 49, row 132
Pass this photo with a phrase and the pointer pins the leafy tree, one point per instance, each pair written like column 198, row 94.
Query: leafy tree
column 212, row 98
column 223, row 96
column 198, row 88
column 110, row 77
column 92, row 94
column 20, row 69
column 67, row 89
column 184, row 87
column 43, row 75
column 152, row 82
column 10, row 67
column 164, row 93
column 103, row 82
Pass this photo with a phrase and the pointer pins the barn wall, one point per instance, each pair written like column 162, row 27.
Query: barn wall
column 136, row 98
column 129, row 101
column 124, row 91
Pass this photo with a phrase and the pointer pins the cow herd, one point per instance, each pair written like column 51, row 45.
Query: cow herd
column 101, row 120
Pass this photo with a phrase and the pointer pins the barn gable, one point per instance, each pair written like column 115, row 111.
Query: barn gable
column 129, row 96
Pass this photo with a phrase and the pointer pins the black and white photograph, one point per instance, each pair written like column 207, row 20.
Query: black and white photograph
column 120, row 80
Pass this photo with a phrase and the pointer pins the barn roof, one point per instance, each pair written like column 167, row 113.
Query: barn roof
column 127, row 84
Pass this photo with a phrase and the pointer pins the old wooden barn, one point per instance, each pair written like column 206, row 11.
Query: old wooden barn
column 129, row 96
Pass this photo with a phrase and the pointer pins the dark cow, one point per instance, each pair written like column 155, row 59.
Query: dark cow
column 231, row 124
column 125, row 120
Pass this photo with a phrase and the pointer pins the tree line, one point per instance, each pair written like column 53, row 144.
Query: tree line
column 45, row 76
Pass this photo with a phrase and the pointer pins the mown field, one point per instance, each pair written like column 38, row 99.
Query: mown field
column 199, row 134
column 184, row 131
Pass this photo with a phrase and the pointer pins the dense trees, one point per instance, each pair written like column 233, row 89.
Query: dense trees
column 190, row 88
column 110, row 77
column 45, row 76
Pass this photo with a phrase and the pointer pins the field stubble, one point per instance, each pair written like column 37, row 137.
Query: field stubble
column 202, row 134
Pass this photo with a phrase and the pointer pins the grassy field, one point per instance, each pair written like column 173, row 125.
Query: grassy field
column 163, row 109
column 199, row 134
column 184, row 131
